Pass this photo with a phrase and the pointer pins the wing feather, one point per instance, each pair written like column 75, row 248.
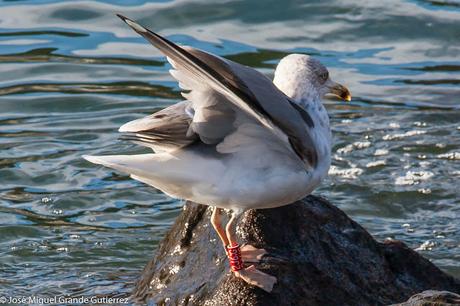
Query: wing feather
column 242, row 87
column 165, row 130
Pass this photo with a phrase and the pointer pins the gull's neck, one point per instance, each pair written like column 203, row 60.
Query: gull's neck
column 295, row 79
column 310, row 101
column 299, row 92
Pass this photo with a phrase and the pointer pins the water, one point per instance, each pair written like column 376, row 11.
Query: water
column 71, row 73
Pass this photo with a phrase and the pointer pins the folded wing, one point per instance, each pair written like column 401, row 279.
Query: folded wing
column 166, row 130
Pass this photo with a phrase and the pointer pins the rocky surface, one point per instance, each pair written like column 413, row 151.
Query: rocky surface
column 433, row 298
column 319, row 255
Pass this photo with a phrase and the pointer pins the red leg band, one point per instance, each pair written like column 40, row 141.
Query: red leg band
column 234, row 256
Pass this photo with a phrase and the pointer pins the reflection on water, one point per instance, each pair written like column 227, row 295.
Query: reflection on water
column 71, row 73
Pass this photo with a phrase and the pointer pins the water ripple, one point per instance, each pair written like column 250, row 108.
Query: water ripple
column 72, row 73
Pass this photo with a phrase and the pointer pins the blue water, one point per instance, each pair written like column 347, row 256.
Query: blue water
column 71, row 73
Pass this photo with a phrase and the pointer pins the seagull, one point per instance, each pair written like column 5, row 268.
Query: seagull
column 238, row 141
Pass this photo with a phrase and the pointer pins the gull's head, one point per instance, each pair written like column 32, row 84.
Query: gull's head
column 304, row 79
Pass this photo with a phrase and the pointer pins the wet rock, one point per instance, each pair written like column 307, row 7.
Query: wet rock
column 319, row 255
column 433, row 298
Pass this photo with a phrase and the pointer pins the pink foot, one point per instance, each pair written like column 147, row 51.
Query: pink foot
column 257, row 278
column 252, row 254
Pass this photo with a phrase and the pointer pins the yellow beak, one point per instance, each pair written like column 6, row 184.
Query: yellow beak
column 340, row 91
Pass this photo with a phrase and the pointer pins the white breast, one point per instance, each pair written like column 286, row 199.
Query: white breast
column 322, row 136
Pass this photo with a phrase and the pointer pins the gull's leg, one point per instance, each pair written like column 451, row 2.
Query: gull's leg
column 248, row 252
column 250, row 275
column 216, row 221
column 230, row 229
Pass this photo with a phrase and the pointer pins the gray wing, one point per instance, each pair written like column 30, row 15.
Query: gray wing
column 222, row 89
column 164, row 130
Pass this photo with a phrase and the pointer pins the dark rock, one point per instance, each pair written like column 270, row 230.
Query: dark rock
column 433, row 298
column 319, row 255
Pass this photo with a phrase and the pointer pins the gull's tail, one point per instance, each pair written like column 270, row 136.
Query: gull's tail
column 175, row 175
column 158, row 170
column 139, row 165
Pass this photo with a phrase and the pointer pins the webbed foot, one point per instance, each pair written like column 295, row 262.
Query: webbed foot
column 252, row 254
column 257, row 278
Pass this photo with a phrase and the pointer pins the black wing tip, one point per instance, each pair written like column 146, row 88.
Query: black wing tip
column 122, row 17
column 134, row 25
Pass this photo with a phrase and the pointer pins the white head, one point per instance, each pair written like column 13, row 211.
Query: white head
column 305, row 79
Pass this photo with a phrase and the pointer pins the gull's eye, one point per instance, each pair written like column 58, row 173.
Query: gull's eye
column 324, row 76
